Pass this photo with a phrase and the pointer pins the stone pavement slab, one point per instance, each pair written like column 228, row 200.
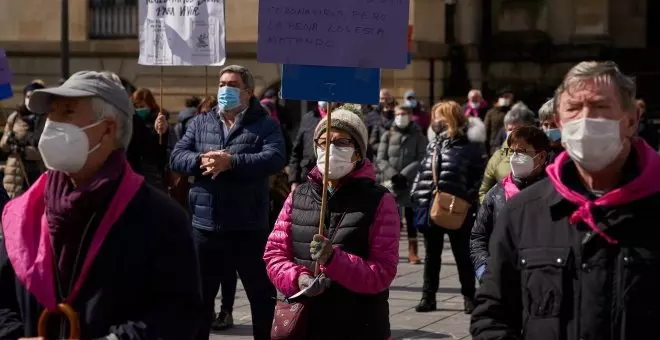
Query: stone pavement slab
column 448, row 322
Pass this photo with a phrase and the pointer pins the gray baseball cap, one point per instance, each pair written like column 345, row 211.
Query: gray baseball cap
column 83, row 84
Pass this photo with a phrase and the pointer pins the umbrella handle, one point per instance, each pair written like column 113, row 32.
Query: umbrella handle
column 69, row 313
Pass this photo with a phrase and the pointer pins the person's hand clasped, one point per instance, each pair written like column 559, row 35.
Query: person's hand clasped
column 314, row 288
column 321, row 249
column 215, row 162
column 161, row 124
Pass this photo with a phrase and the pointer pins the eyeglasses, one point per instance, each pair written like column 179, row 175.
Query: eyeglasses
column 339, row 142
column 510, row 151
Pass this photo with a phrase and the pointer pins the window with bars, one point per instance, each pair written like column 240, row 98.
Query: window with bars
column 113, row 19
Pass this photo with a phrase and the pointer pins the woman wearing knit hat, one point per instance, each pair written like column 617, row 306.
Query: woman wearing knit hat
column 19, row 140
column 358, row 254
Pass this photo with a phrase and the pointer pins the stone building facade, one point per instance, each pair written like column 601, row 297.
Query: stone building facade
column 458, row 44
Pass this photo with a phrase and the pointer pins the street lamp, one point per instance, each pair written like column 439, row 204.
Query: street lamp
column 64, row 39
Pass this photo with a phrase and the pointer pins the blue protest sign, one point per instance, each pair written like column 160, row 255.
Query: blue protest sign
column 330, row 83
column 5, row 91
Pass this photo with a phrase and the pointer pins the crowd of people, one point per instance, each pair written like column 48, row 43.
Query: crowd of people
column 118, row 224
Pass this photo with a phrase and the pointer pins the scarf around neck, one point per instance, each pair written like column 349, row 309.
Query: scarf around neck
column 69, row 210
column 644, row 185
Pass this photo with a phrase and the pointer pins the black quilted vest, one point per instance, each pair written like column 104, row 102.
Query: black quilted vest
column 339, row 313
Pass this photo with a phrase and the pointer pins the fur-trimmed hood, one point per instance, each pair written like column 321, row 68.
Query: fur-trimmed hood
column 476, row 131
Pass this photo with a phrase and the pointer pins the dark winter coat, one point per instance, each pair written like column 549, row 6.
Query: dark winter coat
column 148, row 152
column 400, row 152
column 143, row 283
column 236, row 199
column 377, row 123
column 494, row 121
column 552, row 278
column 460, row 165
column 488, row 213
column 303, row 158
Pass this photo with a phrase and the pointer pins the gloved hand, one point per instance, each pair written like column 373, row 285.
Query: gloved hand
column 317, row 287
column 399, row 182
column 321, row 249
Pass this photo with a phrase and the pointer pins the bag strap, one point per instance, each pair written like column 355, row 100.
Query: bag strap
column 433, row 167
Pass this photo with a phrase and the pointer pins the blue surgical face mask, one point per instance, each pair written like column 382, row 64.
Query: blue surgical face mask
column 142, row 112
column 228, row 98
column 553, row 134
column 412, row 102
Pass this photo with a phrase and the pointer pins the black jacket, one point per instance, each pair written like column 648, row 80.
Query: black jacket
column 377, row 124
column 351, row 212
column 483, row 225
column 550, row 279
column 182, row 121
column 649, row 132
column 148, row 152
column 460, row 166
column 303, row 158
column 490, row 209
column 144, row 282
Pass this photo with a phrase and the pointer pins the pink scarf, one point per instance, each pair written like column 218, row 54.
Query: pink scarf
column 473, row 111
column 644, row 185
column 510, row 188
column 322, row 112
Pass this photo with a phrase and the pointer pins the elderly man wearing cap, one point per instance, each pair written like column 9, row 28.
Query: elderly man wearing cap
column 90, row 235
column 421, row 117
column 231, row 151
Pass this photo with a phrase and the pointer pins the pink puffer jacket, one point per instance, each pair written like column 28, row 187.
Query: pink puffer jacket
column 351, row 271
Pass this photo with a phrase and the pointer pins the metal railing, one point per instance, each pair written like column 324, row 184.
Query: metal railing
column 113, row 19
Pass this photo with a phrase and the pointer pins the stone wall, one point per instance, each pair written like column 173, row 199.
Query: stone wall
column 32, row 39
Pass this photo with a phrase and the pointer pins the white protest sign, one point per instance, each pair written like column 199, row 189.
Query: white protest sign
column 182, row 32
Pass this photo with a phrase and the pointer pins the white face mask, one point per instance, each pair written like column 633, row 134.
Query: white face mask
column 504, row 102
column 474, row 105
column 340, row 161
column 401, row 121
column 522, row 165
column 65, row 147
column 593, row 143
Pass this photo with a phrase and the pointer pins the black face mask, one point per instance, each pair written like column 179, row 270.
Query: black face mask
column 439, row 127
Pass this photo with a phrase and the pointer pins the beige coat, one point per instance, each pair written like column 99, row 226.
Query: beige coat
column 15, row 177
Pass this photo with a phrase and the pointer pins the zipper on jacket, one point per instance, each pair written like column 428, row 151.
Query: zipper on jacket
column 58, row 281
column 622, row 259
column 617, row 295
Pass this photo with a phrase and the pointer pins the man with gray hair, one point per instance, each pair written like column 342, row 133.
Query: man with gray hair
column 498, row 165
column 575, row 256
column 475, row 106
column 548, row 120
column 231, row 151
column 90, row 238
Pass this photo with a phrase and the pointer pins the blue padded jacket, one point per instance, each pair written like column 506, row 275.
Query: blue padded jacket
column 236, row 199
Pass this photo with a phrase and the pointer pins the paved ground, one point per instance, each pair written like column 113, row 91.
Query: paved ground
column 448, row 322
